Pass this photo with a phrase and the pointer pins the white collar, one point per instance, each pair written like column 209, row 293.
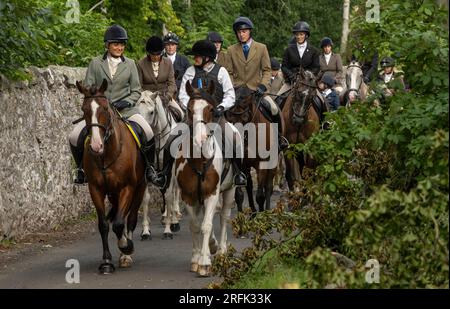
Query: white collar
column 327, row 92
column 303, row 45
column 114, row 61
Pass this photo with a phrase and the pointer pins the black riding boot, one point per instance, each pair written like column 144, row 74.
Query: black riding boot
column 77, row 153
column 282, row 141
column 148, row 150
column 160, row 179
column 239, row 178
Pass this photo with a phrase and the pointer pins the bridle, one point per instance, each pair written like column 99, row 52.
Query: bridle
column 108, row 128
column 360, row 82
column 295, row 107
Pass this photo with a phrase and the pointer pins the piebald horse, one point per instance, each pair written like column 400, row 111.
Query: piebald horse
column 115, row 168
column 162, row 123
column 203, row 179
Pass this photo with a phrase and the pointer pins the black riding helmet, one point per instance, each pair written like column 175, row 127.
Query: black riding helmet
column 325, row 42
column 242, row 22
column 274, row 64
column 115, row 34
column 171, row 38
column 301, row 26
column 328, row 80
column 214, row 37
column 203, row 48
column 387, row 62
column 154, row 45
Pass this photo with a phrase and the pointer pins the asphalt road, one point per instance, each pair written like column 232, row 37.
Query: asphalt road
column 158, row 263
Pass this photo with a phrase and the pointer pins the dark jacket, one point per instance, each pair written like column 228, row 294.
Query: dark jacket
column 332, row 100
column 292, row 61
column 180, row 65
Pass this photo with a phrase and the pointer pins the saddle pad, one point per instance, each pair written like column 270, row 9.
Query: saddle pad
column 136, row 131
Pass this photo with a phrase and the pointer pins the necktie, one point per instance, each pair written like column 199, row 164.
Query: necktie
column 245, row 48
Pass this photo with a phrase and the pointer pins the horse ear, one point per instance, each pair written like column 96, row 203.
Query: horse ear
column 189, row 89
column 104, row 86
column 211, row 87
column 80, row 86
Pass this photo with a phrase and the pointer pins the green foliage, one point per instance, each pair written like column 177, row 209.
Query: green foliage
column 380, row 190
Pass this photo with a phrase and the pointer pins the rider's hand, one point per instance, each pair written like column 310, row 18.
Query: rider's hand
column 219, row 111
column 121, row 104
column 260, row 90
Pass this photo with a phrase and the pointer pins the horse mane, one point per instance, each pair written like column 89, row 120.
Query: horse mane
column 203, row 94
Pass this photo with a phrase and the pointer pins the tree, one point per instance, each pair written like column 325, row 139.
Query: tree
column 345, row 29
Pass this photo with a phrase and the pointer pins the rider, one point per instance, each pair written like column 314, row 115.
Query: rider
column 217, row 39
column 156, row 73
column 200, row 74
column 248, row 64
column 330, row 63
column 123, row 91
column 389, row 75
column 180, row 63
column 276, row 79
column 326, row 85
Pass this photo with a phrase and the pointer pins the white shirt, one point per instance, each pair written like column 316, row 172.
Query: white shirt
column 327, row 57
column 223, row 78
column 326, row 92
column 301, row 48
column 387, row 77
column 172, row 57
column 112, row 64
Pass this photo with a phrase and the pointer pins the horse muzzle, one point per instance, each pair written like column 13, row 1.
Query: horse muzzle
column 96, row 149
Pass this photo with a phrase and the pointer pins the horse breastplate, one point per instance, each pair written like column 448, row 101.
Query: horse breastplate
column 203, row 78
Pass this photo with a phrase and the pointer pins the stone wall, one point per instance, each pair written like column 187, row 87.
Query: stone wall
column 36, row 190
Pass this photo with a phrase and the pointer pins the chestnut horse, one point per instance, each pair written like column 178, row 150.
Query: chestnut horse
column 301, row 120
column 203, row 178
column 262, row 139
column 114, row 167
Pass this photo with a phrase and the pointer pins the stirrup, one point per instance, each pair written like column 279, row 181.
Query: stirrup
column 240, row 182
column 155, row 178
column 283, row 143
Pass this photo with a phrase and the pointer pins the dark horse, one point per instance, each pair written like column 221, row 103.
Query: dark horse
column 301, row 120
column 246, row 111
column 115, row 168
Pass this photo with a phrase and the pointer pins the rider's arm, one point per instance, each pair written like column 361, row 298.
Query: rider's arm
column 228, row 90
column 183, row 96
column 171, row 85
column 135, row 85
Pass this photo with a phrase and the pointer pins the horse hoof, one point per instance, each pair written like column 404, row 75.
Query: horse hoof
column 106, row 268
column 167, row 236
column 194, row 267
column 125, row 261
column 204, row 271
column 146, row 237
column 175, row 227
column 129, row 249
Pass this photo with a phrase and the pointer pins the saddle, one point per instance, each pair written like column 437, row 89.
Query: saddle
column 320, row 106
column 281, row 99
column 267, row 109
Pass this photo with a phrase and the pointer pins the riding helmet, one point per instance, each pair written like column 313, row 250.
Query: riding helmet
column 242, row 22
column 154, row 45
column 171, row 38
column 325, row 42
column 203, row 48
column 115, row 34
column 214, row 37
column 274, row 64
column 301, row 26
column 387, row 62
column 328, row 80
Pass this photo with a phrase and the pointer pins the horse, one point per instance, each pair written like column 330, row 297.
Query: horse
column 246, row 111
column 114, row 167
column 203, row 179
column 356, row 88
column 162, row 123
column 301, row 120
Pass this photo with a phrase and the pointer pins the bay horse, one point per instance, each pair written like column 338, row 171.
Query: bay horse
column 246, row 111
column 203, row 179
column 162, row 123
column 301, row 120
column 114, row 167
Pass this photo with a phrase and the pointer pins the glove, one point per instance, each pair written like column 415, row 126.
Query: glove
column 260, row 90
column 219, row 111
column 121, row 104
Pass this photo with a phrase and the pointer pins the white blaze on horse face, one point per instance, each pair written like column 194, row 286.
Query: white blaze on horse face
column 200, row 133
column 96, row 140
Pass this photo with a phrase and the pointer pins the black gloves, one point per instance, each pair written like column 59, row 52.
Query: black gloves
column 219, row 111
column 260, row 90
column 121, row 104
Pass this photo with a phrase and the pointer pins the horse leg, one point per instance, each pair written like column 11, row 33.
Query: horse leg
column 195, row 227
column 269, row 188
column 125, row 200
column 204, row 264
column 249, row 189
column 146, row 234
column 225, row 214
column 260, row 195
column 98, row 197
column 289, row 173
column 176, row 213
column 301, row 163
